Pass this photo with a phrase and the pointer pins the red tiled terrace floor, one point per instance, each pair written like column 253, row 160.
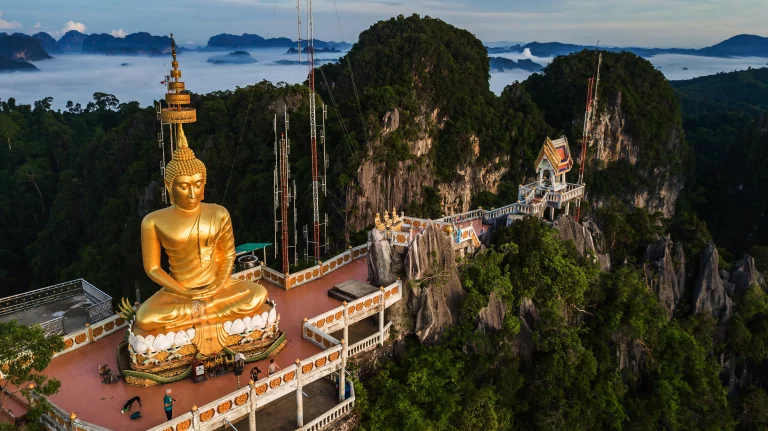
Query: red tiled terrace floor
column 83, row 393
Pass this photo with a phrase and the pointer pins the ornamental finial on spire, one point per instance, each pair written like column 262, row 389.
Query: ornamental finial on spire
column 176, row 95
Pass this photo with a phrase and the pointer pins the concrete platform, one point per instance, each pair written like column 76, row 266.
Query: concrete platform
column 351, row 290
column 74, row 310
column 83, row 393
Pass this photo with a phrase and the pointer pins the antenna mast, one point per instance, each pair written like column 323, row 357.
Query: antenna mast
column 298, row 13
column 589, row 112
column 313, row 134
column 283, row 195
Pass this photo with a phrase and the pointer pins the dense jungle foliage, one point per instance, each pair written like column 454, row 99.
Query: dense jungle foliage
column 725, row 117
column 560, row 366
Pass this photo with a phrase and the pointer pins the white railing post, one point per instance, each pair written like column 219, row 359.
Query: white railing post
column 299, row 401
column 346, row 322
column 382, row 307
column 195, row 418
column 252, row 409
column 342, row 377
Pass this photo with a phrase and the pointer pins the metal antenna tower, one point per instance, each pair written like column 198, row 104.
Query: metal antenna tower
column 313, row 134
column 298, row 13
column 589, row 113
column 283, row 196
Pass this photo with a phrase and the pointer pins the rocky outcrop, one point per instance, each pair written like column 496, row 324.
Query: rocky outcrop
column 710, row 291
column 665, row 272
column 21, row 47
column 631, row 354
column 432, row 292
column 379, row 186
column 528, row 315
column 384, row 264
column 744, row 275
column 613, row 142
column 586, row 236
column 491, row 317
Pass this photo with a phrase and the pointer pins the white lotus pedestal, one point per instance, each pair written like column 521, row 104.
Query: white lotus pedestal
column 170, row 357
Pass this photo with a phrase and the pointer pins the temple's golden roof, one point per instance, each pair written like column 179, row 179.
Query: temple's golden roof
column 557, row 153
column 176, row 112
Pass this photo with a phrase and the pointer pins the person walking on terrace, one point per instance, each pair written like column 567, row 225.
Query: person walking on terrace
column 273, row 367
column 168, row 401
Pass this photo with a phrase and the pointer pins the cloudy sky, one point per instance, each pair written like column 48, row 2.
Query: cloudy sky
column 657, row 23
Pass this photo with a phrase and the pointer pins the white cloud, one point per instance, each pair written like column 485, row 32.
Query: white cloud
column 8, row 25
column 71, row 25
column 37, row 25
column 118, row 33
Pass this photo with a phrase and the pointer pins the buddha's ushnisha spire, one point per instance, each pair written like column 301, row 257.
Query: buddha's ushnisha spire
column 177, row 96
column 183, row 160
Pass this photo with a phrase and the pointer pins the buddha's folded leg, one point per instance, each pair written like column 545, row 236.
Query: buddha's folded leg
column 241, row 298
column 164, row 311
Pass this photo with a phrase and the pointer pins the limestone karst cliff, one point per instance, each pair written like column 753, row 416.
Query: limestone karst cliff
column 637, row 150
column 664, row 270
column 432, row 290
column 382, row 185
column 586, row 236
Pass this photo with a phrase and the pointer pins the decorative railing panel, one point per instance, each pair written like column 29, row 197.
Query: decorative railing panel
column 499, row 212
column 54, row 326
column 369, row 343
column 465, row 216
column 332, row 415
column 330, row 321
column 318, row 337
column 321, row 365
column 94, row 294
column 273, row 276
column 251, row 274
column 83, row 337
column 100, row 311
column 46, row 295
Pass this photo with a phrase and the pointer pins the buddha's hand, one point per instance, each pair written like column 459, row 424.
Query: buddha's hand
column 210, row 290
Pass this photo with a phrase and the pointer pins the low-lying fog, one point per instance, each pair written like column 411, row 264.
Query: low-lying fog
column 77, row 77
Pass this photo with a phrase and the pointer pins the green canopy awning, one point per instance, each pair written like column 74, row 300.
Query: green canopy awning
column 251, row 246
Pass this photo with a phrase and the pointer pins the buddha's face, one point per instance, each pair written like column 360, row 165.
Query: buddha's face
column 187, row 191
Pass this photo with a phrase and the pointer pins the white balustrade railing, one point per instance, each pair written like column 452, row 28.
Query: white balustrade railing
column 330, row 321
column 332, row 415
column 499, row 212
column 250, row 274
column 321, row 365
column 88, row 335
column 368, row 343
column 54, row 326
column 318, row 337
column 465, row 216
column 305, row 275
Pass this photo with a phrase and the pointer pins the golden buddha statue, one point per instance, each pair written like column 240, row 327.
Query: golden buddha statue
column 197, row 237
column 197, row 291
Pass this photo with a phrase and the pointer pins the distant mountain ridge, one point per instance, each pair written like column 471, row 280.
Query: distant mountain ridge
column 501, row 64
column 19, row 46
column 141, row 43
column 227, row 41
column 743, row 45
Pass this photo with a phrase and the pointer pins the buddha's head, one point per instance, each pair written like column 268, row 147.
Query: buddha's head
column 185, row 175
